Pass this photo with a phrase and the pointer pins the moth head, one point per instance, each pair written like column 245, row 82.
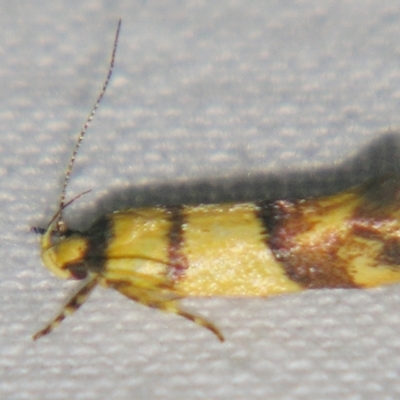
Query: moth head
column 64, row 253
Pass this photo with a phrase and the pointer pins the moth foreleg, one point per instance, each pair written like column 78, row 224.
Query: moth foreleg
column 72, row 305
column 165, row 300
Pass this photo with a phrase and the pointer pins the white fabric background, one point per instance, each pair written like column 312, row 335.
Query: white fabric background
column 210, row 101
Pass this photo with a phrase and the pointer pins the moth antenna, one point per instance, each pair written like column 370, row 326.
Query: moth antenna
column 60, row 224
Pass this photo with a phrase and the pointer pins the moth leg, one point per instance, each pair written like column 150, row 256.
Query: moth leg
column 172, row 306
column 165, row 300
column 73, row 304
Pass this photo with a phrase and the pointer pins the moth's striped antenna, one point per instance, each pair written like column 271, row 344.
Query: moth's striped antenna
column 60, row 223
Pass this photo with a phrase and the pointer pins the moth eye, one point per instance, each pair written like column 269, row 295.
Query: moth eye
column 77, row 270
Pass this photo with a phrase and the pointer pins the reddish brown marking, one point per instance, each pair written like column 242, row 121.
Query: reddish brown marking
column 313, row 265
column 178, row 262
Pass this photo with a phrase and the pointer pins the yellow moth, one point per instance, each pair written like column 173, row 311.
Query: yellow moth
column 157, row 256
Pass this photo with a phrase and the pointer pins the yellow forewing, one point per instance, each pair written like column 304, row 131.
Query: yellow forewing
column 223, row 245
column 338, row 241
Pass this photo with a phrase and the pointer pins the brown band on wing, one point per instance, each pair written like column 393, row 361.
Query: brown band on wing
column 312, row 265
column 98, row 237
column 178, row 262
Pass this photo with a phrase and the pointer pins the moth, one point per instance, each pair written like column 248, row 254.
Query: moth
column 159, row 255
